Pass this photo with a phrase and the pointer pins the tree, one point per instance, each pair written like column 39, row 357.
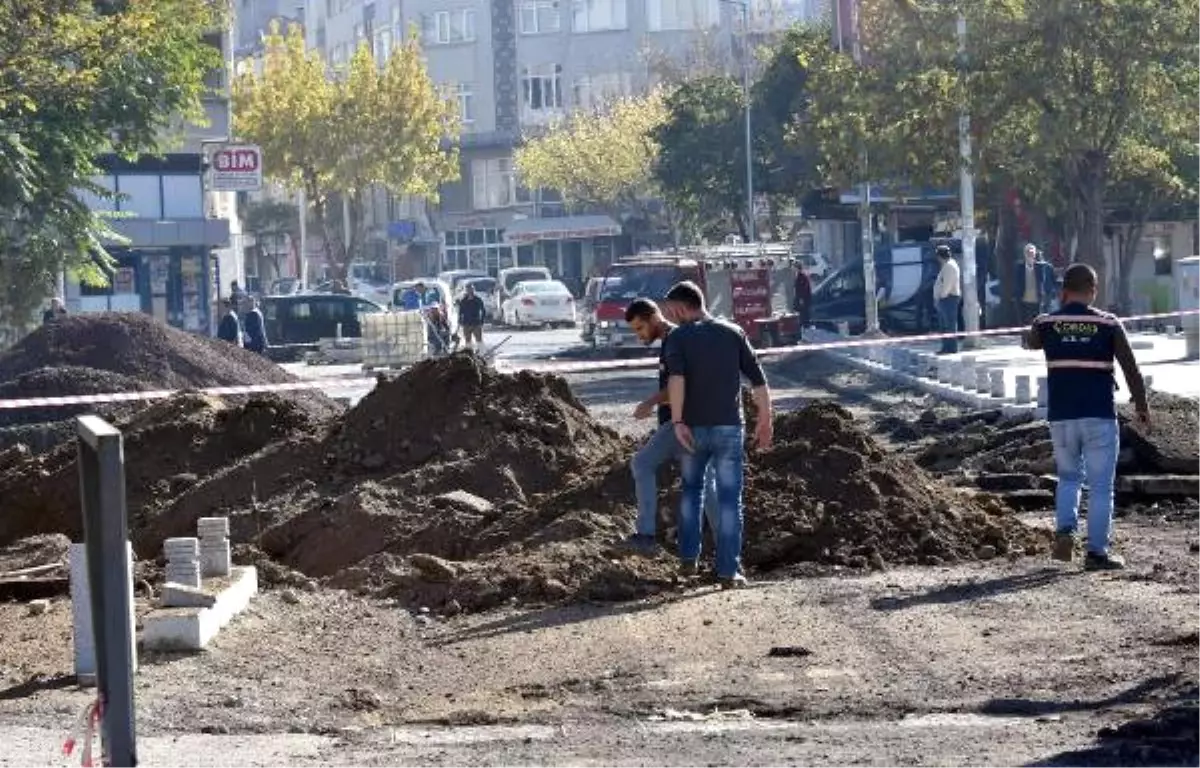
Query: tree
column 336, row 138
column 701, row 151
column 78, row 82
column 272, row 221
column 602, row 159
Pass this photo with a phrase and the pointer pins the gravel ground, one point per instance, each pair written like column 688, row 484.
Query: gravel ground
column 987, row 663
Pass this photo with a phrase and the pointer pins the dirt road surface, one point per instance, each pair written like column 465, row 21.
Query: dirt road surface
column 1005, row 662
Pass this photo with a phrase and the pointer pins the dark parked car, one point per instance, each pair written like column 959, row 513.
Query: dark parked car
column 297, row 322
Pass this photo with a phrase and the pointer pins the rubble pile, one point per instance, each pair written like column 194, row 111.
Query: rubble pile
column 457, row 487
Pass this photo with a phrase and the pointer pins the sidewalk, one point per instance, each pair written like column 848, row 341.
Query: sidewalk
column 1160, row 357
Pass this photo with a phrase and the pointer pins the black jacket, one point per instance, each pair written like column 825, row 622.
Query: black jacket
column 470, row 310
column 230, row 329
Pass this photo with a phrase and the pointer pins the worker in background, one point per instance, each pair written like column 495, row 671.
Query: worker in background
column 255, row 327
column 56, row 311
column 1034, row 284
column 230, row 328
column 1081, row 343
column 647, row 322
column 947, row 295
column 802, row 302
column 471, row 313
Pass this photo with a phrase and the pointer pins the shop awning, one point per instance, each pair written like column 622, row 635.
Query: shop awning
column 527, row 231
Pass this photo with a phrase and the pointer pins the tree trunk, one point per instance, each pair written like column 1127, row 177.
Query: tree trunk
column 1127, row 255
column 1091, row 176
column 1006, row 258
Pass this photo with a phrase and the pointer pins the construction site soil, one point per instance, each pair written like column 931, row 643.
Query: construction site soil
column 460, row 488
column 124, row 352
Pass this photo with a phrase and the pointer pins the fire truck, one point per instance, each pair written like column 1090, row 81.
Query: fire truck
column 752, row 285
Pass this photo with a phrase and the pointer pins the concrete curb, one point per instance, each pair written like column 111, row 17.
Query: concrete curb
column 879, row 361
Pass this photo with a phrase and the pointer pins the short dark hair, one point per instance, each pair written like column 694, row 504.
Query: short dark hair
column 641, row 308
column 1079, row 278
column 688, row 294
column 943, row 252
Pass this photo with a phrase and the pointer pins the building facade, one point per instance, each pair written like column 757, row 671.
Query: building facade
column 514, row 66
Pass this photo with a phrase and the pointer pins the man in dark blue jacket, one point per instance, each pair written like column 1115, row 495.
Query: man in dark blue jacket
column 230, row 328
column 255, row 328
column 1081, row 344
column 1033, row 285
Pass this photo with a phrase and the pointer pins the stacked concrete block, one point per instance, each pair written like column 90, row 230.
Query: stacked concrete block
column 1022, row 395
column 183, row 561
column 214, row 546
column 1043, row 392
column 966, row 378
column 943, row 370
column 996, row 375
column 983, row 380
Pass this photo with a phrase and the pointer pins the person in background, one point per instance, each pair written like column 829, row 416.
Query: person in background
column 230, row 328
column 1034, row 284
column 255, row 327
column 56, row 311
column 236, row 294
column 947, row 294
column 1080, row 343
column 649, row 325
column 802, row 302
column 706, row 358
column 471, row 314
column 413, row 297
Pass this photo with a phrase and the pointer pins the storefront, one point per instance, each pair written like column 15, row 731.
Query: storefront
column 571, row 247
column 173, row 285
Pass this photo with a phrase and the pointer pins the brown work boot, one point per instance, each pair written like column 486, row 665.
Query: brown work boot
column 1064, row 547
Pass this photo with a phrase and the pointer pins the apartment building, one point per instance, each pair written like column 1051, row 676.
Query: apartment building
column 514, row 66
column 182, row 245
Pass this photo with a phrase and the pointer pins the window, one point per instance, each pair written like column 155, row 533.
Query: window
column 494, row 183
column 140, row 195
column 594, row 91
column 1162, row 256
column 181, row 196
column 448, row 27
column 682, row 14
column 600, row 15
column 541, row 87
column 383, row 46
column 462, row 93
column 539, row 17
column 488, row 254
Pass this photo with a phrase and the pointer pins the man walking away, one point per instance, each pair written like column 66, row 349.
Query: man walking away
column 1034, row 284
column 229, row 329
column 802, row 302
column 256, row 328
column 1080, row 343
column 650, row 326
column 471, row 313
column 706, row 359
column 55, row 312
column 947, row 293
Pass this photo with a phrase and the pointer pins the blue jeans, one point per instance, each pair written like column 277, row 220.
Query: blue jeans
column 1086, row 448
column 722, row 446
column 947, row 309
column 663, row 447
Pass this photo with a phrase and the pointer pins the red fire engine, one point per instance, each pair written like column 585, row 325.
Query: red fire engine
column 751, row 285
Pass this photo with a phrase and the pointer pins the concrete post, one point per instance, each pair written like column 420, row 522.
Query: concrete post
column 1043, row 392
column 1022, row 394
column 997, row 380
column 966, row 378
column 943, row 370
column 106, row 537
column 983, row 383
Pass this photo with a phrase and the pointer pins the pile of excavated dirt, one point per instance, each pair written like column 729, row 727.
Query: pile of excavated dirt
column 169, row 446
column 460, row 488
column 984, row 442
column 120, row 352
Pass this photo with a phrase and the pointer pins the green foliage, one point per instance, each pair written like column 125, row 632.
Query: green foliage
column 76, row 83
column 603, row 159
column 341, row 136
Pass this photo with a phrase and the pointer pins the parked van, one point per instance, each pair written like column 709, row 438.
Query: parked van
column 904, row 277
column 299, row 321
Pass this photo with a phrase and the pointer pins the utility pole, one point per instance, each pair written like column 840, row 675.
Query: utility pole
column 302, row 209
column 864, row 212
column 966, row 194
column 749, row 148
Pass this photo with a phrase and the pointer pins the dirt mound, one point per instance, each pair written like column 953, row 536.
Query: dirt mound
column 1171, row 446
column 117, row 352
column 828, row 493
column 169, row 447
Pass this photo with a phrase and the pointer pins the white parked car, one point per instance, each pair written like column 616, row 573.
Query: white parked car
column 509, row 278
column 539, row 302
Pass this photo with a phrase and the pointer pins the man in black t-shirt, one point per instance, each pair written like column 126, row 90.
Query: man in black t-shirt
column 648, row 323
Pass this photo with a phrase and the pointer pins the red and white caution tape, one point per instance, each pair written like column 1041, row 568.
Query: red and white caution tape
column 590, row 366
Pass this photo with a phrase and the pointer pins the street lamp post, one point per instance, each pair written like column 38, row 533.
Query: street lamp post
column 745, row 6
column 967, row 196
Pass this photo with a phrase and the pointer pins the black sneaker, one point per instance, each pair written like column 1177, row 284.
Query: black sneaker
column 1110, row 562
column 1064, row 547
column 688, row 569
column 639, row 544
